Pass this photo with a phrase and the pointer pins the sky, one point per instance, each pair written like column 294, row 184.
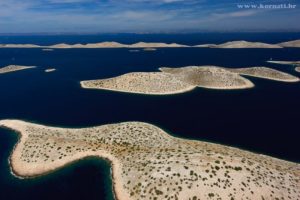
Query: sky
column 147, row 16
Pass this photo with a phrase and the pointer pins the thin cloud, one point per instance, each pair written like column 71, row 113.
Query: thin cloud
column 134, row 15
column 245, row 13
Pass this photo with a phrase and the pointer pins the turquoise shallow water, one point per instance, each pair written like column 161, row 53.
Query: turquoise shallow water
column 264, row 119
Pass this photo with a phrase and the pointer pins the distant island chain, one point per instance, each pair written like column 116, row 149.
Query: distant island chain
column 152, row 45
column 147, row 163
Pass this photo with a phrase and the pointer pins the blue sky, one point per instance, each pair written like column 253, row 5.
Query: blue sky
column 143, row 16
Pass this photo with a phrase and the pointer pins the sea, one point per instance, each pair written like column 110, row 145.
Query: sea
column 264, row 119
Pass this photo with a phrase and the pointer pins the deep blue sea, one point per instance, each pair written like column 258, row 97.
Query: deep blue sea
column 264, row 119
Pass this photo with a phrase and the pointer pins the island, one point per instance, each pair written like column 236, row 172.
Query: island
column 179, row 80
column 13, row 68
column 20, row 46
column 171, row 81
column 153, row 45
column 290, row 44
column 266, row 73
column 156, row 83
column 211, row 77
column 246, row 44
column 295, row 63
column 96, row 45
column 50, row 70
column 89, row 45
column 242, row 44
column 148, row 163
column 118, row 45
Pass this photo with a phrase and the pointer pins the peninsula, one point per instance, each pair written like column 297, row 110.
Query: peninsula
column 179, row 80
column 152, row 45
column 297, row 69
column 13, row 68
column 147, row 163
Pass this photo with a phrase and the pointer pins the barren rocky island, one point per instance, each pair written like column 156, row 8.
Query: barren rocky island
column 178, row 80
column 147, row 163
column 284, row 62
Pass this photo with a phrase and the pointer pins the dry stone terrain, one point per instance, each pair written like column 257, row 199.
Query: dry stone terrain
column 150, row 164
